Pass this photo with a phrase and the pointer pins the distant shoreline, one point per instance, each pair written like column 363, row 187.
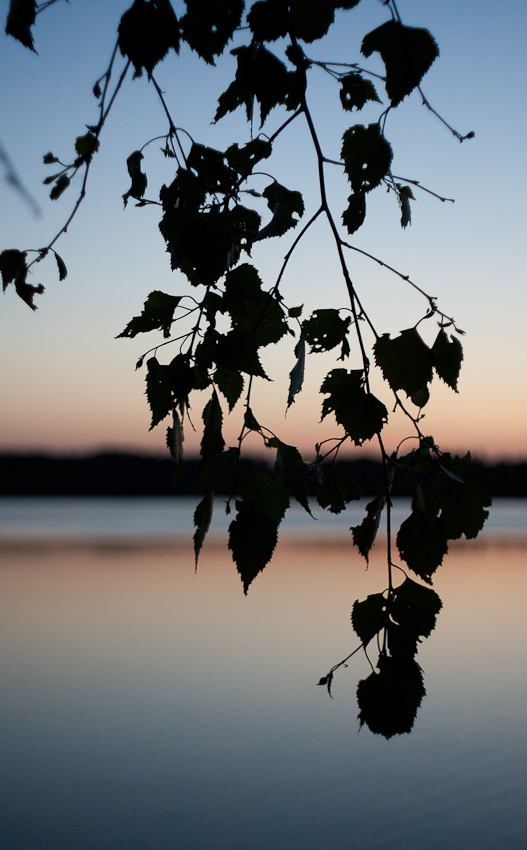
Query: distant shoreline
column 129, row 474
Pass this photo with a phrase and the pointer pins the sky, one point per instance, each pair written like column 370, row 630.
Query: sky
column 67, row 385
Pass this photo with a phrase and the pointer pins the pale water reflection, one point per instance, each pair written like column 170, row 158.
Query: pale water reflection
column 147, row 708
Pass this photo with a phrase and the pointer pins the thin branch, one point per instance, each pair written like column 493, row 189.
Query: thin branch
column 454, row 132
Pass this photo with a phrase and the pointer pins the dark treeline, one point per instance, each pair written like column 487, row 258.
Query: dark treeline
column 122, row 474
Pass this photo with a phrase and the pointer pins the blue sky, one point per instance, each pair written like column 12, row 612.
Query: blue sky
column 68, row 385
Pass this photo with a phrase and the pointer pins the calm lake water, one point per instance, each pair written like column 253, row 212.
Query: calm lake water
column 144, row 707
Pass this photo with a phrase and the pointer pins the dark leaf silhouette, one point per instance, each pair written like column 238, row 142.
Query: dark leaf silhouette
column 61, row 265
column 12, row 265
column 252, row 540
column 20, row 19
column 353, row 217
column 389, row 700
column 292, row 470
column 147, row 31
column 407, row 52
column 284, row 205
column 212, row 442
column 296, row 375
column 359, row 412
column 202, row 518
column 406, row 361
column 356, row 91
column 325, row 330
column 448, row 355
column 367, row 157
column 415, row 608
column 208, row 25
column 261, row 76
column 230, row 384
column 369, row 617
column 139, row 180
column 269, row 20
column 422, row 543
column 158, row 390
column 158, row 314
column 364, row 534
column 336, row 490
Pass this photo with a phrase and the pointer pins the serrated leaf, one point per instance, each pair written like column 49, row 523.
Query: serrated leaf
column 406, row 361
column 325, row 329
column 360, row 413
column 86, row 145
column 337, row 489
column 60, row 186
column 295, row 312
column 243, row 225
column 389, row 700
column 268, row 20
column 369, row 617
column 400, row 643
column 353, row 217
column 311, row 19
column 202, row 519
column 212, row 171
column 157, row 314
column 208, row 25
column 237, row 351
column 367, row 157
column 147, row 31
column 251, row 309
column 12, row 265
column 296, row 375
column 245, row 158
column 158, row 391
column 285, row 205
column 463, row 507
column 252, row 540
column 212, row 442
column 175, row 442
column 260, row 75
column 61, row 265
column 293, row 472
column 210, row 228
column 220, row 470
column 181, row 378
column 20, row 18
column 268, row 496
column 364, row 534
column 355, row 91
column 448, row 355
column 415, row 608
column 422, row 542
column 407, row 52
column 230, row 384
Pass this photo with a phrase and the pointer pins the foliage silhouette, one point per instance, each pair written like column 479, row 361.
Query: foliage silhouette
column 209, row 233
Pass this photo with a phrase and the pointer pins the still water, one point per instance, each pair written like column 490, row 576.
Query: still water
column 144, row 707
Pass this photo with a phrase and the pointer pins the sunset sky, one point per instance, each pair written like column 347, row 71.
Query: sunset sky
column 66, row 383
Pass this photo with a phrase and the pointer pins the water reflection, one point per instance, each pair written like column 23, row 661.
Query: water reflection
column 145, row 707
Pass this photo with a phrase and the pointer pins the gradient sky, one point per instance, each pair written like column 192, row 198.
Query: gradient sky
column 67, row 384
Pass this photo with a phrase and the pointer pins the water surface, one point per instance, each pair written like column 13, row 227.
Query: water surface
column 145, row 707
